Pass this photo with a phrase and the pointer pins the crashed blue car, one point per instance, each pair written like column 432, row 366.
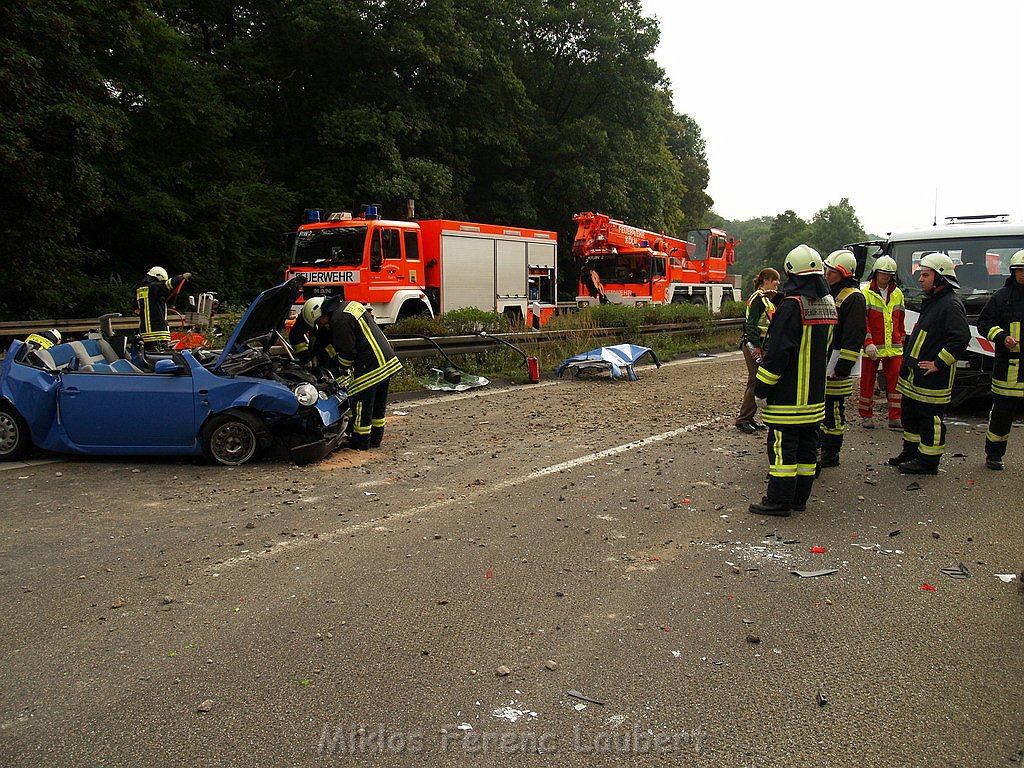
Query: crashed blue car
column 250, row 399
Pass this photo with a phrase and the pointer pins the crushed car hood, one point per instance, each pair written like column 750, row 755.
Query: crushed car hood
column 267, row 313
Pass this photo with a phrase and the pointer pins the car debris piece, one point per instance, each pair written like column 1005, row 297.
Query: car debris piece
column 577, row 695
column 1006, row 578
column 612, row 359
column 914, row 486
column 813, row 574
column 958, row 572
column 821, row 699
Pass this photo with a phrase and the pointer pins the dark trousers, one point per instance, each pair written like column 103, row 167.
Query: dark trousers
column 792, row 458
column 368, row 410
column 834, row 425
column 924, row 431
column 748, row 408
column 1000, row 422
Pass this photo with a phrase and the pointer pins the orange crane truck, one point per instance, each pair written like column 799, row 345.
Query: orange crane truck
column 622, row 264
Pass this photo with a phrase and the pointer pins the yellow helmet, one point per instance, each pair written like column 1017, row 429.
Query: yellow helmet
column 1017, row 260
column 803, row 260
column 943, row 265
column 312, row 309
column 843, row 262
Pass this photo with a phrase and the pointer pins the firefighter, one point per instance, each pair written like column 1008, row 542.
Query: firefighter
column 883, row 344
column 760, row 310
column 151, row 299
column 1001, row 323
column 791, row 382
column 844, row 351
column 938, row 340
column 364, row 362
column 43, row 339
column 309, row 347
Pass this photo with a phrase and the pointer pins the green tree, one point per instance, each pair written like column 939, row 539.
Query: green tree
column 836, row 225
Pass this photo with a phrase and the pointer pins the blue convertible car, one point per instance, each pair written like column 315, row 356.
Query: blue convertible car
column 231, row 406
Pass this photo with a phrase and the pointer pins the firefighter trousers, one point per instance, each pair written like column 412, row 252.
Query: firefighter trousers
column 868, row 374
column 368, row 410
column 1000, row 421
column 924, row 431
column 792, row 459
column 834, row 425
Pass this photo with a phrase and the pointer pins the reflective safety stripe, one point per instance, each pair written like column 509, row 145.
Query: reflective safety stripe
column 806, row 470
column 839, row 387
column 918, row 343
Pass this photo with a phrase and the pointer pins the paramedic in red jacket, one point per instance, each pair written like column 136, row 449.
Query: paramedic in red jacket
column 883, row 344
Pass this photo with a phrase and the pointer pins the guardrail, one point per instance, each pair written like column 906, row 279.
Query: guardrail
column 465, row 345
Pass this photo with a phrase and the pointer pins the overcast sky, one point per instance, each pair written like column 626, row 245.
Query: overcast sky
column 803, row 103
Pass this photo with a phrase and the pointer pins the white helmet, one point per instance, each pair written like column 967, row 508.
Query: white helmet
column 885, row 264
column 1017, row 260
column 159, row 273
column 312, row 309
column 58, row 338
column 843, row 262
column 943, row 265
column 803, row 260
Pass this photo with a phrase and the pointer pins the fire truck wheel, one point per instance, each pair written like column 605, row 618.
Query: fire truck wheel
column 15, row 438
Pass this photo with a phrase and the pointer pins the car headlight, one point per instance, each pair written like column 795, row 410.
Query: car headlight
column 306, row 394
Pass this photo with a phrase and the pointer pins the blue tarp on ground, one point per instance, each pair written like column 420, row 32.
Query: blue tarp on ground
column 613, row 359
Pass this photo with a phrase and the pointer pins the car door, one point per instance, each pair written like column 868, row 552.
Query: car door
column 129, row 410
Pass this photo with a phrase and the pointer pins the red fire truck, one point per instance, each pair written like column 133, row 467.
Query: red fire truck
column 408, row 268
column 621, row 264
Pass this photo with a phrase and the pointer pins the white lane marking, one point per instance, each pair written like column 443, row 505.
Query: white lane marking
column 483, row 491
column 404, row 405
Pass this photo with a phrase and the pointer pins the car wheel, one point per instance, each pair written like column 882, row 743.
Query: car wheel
column 230, row 440
column 15, row 438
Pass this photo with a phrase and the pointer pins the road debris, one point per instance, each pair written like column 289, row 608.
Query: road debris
column 814, row 574
column 958, row 572
column 577, row 695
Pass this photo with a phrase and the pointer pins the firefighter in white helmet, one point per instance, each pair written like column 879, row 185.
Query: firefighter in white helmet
column 844, row 351
column 938, row 340
column 883, row 344
column 790, row 385
column 363, row 360
column 1001, row 323
column 151, row 304
column 43, row 339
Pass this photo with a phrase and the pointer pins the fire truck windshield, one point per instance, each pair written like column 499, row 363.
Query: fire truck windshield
column 621, row 268
column 981, row 264
column 333, row 246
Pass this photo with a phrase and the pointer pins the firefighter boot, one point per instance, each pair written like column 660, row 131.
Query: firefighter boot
column 376, row 436
column 918, row 467
column 909, row 453
column 804, row 484
column 359, row 442
column 829, row 456
column 768, row 507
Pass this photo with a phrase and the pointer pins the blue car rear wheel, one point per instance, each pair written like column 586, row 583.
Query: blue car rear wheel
column 230, row 440
column 15, row 439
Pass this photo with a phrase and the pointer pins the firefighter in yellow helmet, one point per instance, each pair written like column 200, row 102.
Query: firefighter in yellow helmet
column 790, row 387
column 44, row 339
column 363, row 359
column 151, row 301
column 1001, row 323
column 938, row 340
column 844, row 351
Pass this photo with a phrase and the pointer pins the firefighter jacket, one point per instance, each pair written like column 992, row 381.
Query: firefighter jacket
column 42, row 340
column 792, row 374
column 151, row 298
column 940, row 336
column 760, row 310
column 357, row 343
column 887, row 319
column 307, row 343
column 847, row 338
column 1003, row 316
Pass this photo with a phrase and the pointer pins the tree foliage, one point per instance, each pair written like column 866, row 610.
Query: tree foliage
column 192, row 134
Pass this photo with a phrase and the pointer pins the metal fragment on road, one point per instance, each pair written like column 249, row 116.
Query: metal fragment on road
column 583, row 697
column 813, row 574
column 958, row 572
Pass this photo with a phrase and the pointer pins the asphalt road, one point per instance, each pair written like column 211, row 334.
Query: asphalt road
column 435, row 602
